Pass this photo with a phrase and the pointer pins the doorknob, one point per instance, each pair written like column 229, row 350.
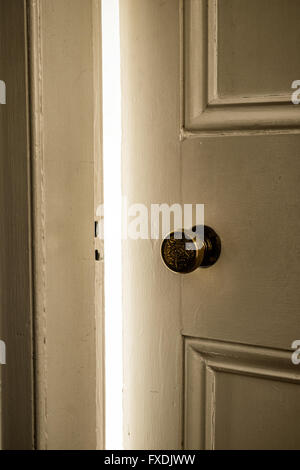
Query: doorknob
column 184, row 251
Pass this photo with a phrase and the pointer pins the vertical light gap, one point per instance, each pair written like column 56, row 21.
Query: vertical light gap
column 112, row 136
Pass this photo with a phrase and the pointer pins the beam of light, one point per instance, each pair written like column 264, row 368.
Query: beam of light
column 112, row 136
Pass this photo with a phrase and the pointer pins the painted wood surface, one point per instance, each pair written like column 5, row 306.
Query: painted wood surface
column 211, row 136
column 153, row 351
column 239, row 66
column 15, row 232
column 66, row 100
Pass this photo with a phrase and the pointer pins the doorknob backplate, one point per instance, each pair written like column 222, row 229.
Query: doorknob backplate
column 185, row 251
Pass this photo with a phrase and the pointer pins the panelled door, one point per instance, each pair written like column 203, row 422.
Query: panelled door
column 209, row 118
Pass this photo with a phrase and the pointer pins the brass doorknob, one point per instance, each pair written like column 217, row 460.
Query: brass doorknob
column 184, row 251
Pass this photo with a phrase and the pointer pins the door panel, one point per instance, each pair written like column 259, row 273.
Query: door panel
column 249, row 186
column 238, row 77
column 256, row 46
column 239, row 65
column 240, row 397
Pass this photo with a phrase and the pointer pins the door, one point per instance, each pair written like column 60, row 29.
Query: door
column 208, row 119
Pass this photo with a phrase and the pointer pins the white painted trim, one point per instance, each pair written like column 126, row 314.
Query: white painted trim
column 206, row 113
column 203, row 359
column 80, row 432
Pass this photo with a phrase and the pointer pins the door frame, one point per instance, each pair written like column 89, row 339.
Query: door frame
column 66, row 337
column 47, row 26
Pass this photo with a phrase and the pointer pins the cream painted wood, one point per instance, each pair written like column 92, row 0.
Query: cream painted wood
column 153, row 353
column 238, row 78
column 250, row 189
column 238, row 155
column 240, row 397
column 66, row 132
column 15, row 233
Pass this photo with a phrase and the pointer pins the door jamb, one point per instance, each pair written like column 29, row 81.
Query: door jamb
column 92, row 369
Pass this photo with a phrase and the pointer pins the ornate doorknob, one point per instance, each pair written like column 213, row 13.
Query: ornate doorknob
column 184, row 251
